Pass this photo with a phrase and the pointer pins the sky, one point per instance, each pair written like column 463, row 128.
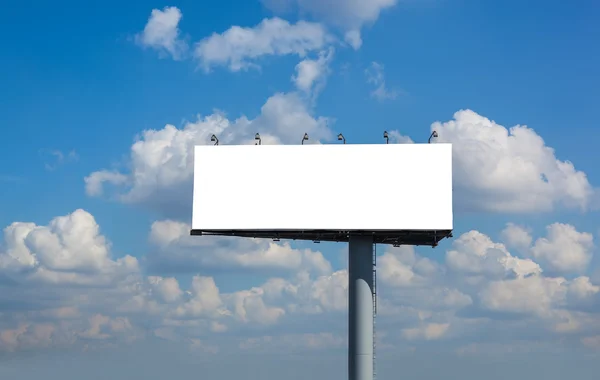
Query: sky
column 101, row 104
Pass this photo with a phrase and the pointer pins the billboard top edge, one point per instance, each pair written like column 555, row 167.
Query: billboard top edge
column 327, row 145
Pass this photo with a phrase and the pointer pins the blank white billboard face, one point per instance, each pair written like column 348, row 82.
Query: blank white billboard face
column 323, row 187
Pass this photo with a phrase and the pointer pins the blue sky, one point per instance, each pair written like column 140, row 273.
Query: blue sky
column 82, row 82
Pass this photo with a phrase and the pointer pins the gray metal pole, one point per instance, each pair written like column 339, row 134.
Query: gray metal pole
column 360, row 308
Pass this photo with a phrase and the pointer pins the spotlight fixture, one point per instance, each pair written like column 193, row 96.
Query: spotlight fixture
column 386, row 137
column 433, row 134
column 257, row 138
column 214, row 139
column 341, row 138
column 305, row 138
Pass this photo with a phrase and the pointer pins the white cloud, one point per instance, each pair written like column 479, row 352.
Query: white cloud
column 564, row 249
column 162, row 33
column 312, row 72
column 375, row 76
column 402, row 267
column 475, row 254
column 353, row 38
column 161, row 160
column 167, row 289
column 249, row 306
column 532, row 294
column 495, row 170
column 95, row 181
column 349, row 14
column 398, row 138
column 240, row 47
column 582, row 288
column 90, row 299
column 178, row 250
column 205, row 300
column 418, row 296
column 546, row 297
column 516, row 237
column 69, row 250
column 508, row 170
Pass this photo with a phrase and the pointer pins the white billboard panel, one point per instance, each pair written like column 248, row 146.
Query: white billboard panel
column 323, row 187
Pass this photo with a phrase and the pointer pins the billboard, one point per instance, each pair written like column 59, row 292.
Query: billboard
column 339, row 187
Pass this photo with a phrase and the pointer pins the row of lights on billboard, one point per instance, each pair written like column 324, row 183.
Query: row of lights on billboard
column 340, row 137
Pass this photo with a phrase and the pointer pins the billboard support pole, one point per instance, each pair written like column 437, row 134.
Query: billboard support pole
column 360, row 308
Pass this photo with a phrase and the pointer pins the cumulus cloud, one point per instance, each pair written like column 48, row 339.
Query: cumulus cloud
column 564, row 249
column 161, row 161
column 162, row 33
column 402, row 267
column 497, row 169
column 533, row 294
column 167, row 289
column 78, row 294
column 375, row 77
column 516, row 236
column 475, row 254
column 408, row 280
column 110, row 301
column 240, row 47
column 582, row 288
column 69, row 250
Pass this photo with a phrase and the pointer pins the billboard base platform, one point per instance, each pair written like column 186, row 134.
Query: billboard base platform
column 393, row 237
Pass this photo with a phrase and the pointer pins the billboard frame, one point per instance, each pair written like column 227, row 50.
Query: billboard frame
column 394, row 237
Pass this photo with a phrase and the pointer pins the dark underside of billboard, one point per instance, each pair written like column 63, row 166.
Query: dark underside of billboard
column 394, row 237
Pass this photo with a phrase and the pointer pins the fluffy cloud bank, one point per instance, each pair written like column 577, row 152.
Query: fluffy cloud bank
column 162, row 160
column 500, row 169
column 68, row 250
column 496, row 169
column 60, row 287
column 509, row 169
